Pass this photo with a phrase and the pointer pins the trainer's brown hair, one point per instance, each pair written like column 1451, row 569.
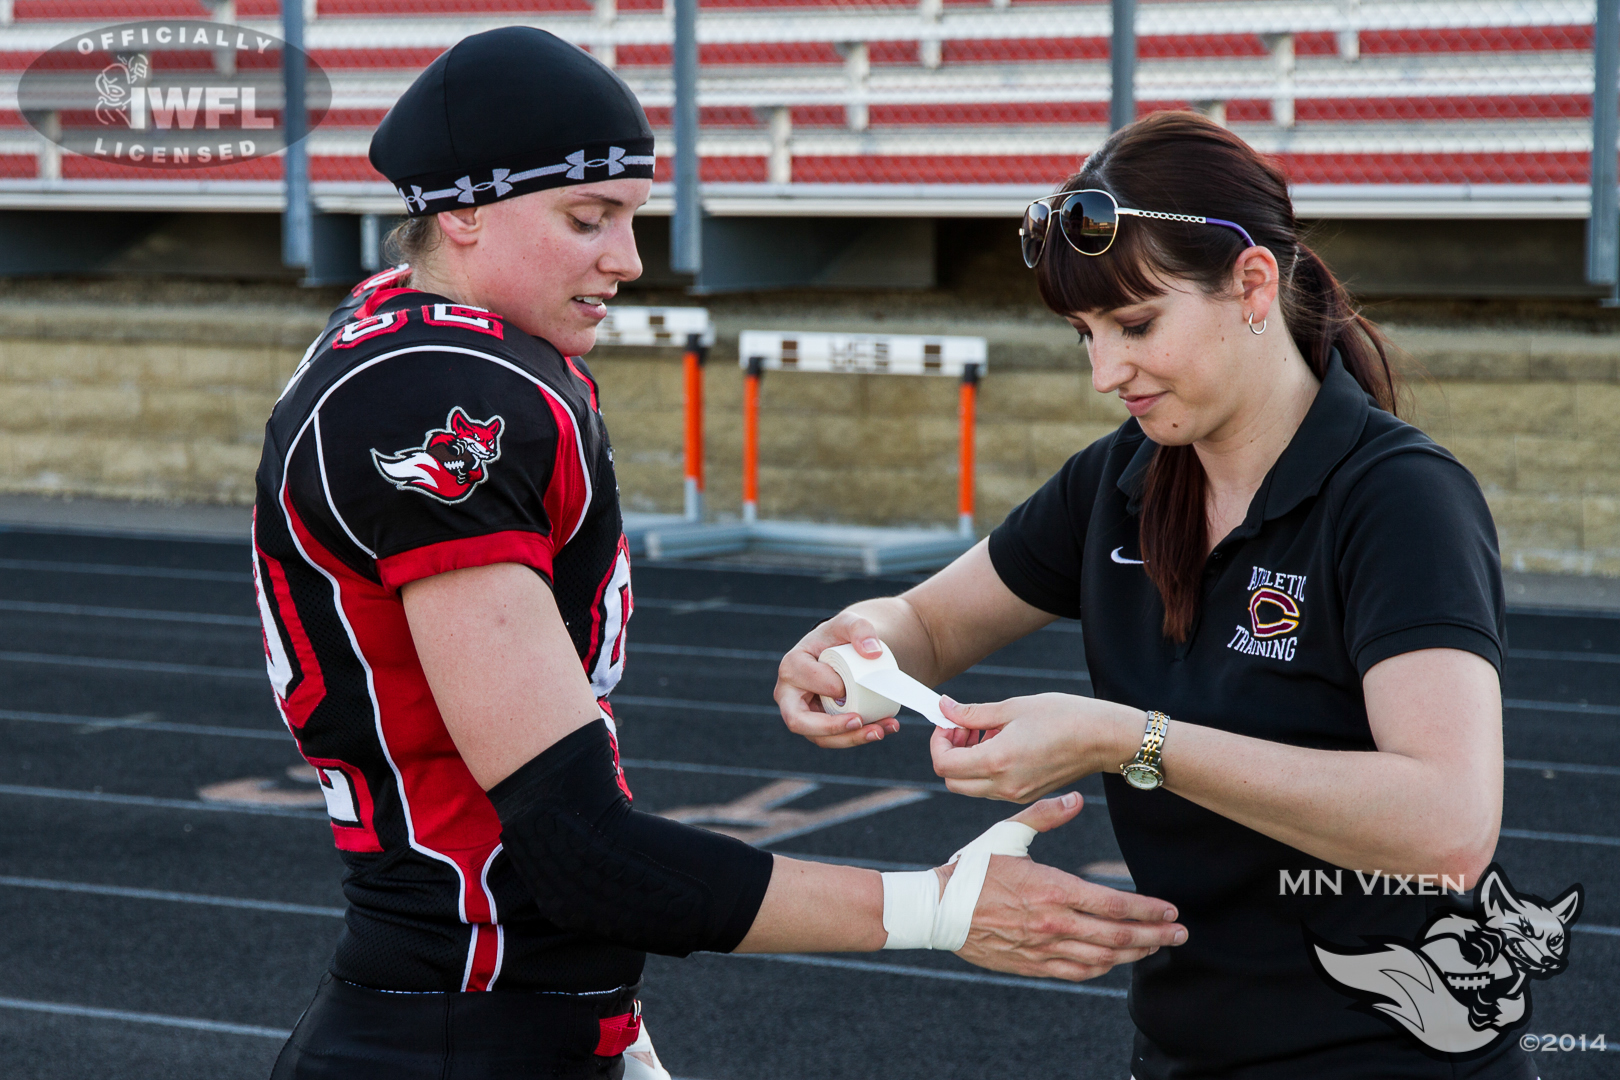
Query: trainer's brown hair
column 1184, row 163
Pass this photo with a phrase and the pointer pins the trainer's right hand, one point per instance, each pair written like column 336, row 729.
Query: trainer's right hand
column 1037, row 920
column 801, row 680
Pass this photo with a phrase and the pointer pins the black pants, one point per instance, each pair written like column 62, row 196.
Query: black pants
column 352, row 1033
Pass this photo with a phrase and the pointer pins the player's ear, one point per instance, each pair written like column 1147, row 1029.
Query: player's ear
column 461, row 226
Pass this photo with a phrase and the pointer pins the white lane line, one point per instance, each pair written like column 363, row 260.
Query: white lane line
column 58, row 1008
column 1564, row 654
column 705, row 651
column 777, row 774
column 276, row 906
column 119, row 570
column 157, row 803
column 1028, row 673
column 1563, row 766
column 280, row 907
column 236, row 808
column 696, row 705
column 773, row 657
column 692, row 705
column 1561, row 837
column 95, row 612
column 864, row 864
column 811, row 777
column 280, row 734
column 726, row 607
column 1561, row 707
column 1054, row 985
column 151, row 666
column 108, row 723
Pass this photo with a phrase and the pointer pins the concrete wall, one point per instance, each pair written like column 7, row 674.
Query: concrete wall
column 170, row 404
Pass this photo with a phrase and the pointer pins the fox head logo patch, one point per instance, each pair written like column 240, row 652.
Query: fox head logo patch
column 451, row 461
column 1465, row 981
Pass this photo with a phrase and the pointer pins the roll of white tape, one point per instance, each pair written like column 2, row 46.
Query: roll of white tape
column 851, row 666
column 875, row 689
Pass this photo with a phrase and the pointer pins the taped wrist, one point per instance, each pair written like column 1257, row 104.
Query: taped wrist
column 596, row 866
column 917, row 916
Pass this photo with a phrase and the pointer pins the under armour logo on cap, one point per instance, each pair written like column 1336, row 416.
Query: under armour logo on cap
column 543, row 109
column 497, row 181
column 612, row 161
column 504, row 181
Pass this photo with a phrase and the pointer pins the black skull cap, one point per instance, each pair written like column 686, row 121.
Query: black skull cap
column 507, row 112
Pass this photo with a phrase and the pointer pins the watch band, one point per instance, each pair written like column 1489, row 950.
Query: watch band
column 1145, row 771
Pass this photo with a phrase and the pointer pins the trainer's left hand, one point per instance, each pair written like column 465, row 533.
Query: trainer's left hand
column 1022, row 748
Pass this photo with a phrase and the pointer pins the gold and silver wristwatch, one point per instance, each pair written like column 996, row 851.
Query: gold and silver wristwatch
column 1145, row 771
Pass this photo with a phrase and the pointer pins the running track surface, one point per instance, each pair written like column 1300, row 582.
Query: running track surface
column 146, row 932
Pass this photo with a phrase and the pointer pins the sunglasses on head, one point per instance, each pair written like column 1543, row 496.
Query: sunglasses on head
column 1089, row 220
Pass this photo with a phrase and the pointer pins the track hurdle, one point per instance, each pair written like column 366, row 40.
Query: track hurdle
column 965, row 358
column 688, row 328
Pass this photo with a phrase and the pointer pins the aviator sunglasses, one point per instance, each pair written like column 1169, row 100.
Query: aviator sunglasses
column 1089, row 220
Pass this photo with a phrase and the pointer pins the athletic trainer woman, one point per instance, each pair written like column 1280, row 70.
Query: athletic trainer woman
column 445, row 587
column 1293, row 619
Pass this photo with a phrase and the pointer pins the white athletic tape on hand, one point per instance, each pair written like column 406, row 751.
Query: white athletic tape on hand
column 955, row 916
column 917, row 917
column 910, row 903
column 641, row 1060
column 877, row 688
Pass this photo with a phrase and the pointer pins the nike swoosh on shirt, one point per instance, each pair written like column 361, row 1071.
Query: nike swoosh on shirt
column 1117, row 557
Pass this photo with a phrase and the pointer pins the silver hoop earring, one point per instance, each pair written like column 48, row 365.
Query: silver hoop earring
column 1263, row 323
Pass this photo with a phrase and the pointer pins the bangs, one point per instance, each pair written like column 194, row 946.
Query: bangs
column 1130, row 271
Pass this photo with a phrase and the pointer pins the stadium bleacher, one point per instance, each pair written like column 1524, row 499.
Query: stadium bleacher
column 939, row 107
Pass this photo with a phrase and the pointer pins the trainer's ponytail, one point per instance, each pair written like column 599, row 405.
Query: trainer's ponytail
column 1322, row 318
column 1183, row 163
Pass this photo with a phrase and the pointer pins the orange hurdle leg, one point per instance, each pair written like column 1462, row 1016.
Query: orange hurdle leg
column 964, row 500
column 693, row 363
column 750, row 480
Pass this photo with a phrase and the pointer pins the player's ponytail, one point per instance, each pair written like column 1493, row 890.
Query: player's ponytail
column 1183, row 163
column 411, row 241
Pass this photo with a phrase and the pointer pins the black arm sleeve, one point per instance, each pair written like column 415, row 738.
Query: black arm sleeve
column 597, row 866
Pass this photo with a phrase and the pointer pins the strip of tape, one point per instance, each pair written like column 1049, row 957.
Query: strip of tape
column 876, row 688
column 916, row 916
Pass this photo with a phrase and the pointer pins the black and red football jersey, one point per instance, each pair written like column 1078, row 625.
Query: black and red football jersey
column 420, row 436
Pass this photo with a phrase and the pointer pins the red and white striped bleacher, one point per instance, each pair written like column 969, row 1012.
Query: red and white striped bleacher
column 938, row 107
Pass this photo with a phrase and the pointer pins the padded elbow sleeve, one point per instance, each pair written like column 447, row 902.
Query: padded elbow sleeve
column 597, row 866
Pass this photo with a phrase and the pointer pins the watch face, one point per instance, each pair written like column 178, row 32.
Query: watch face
column 1142, row 777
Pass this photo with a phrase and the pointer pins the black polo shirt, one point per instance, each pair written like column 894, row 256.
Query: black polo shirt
column 1364, row 541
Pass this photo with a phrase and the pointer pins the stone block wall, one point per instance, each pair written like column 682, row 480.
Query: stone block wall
column 137, row 403
column 169, row 404
column 1537, row 420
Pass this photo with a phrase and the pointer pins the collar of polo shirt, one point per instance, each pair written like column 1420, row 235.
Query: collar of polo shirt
column 1329, row 431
